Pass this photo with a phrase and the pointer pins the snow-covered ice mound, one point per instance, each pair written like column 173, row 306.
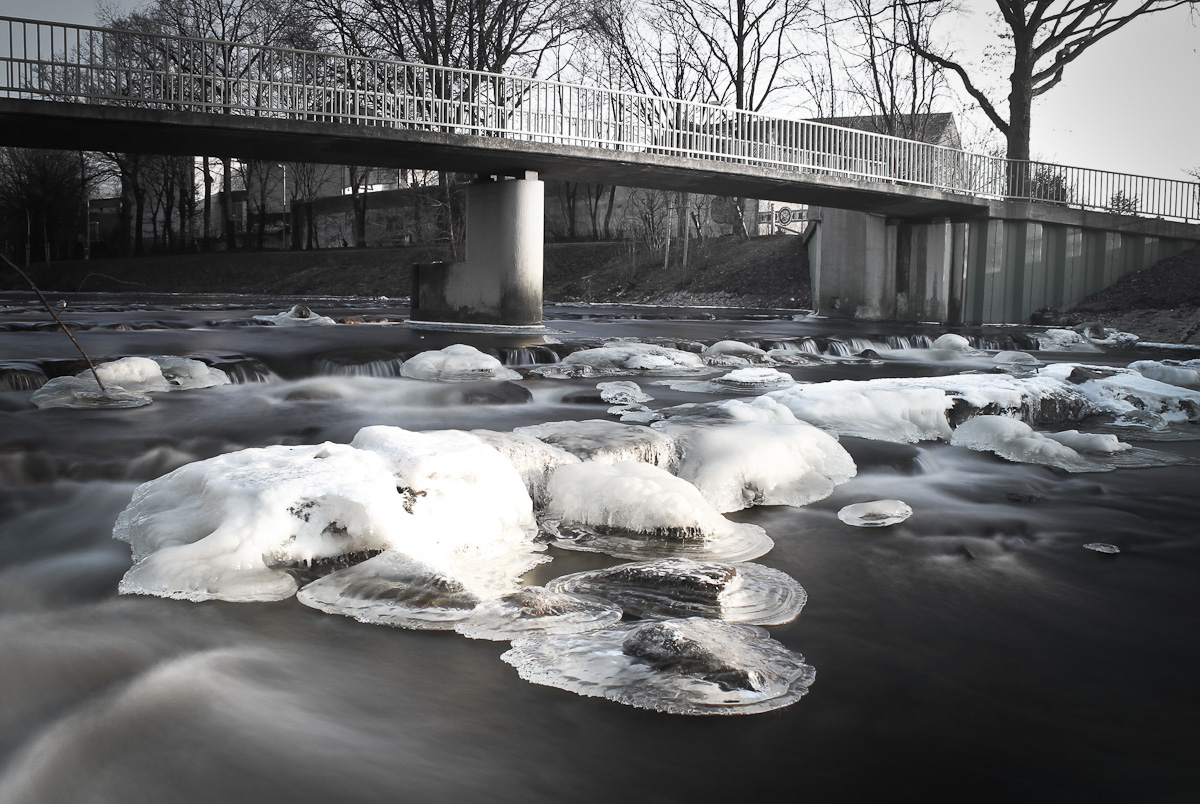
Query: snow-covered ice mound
column 952, row 342
column 734, row 353
column 875, row 514
column 537, row 610
column 392, row 589
column 607, row 442
column 681, row 587
column 534, row 459
column 229, row 528
column 1063, row 340
column 622, row 392
column 456, row 363
column 739, row 463
column 1016, row 359
column 1016, row 441
column 881, row 410
column 85, row 393
column 634, row 510
column 298, row 316
column 681, row 666
column 626, row 358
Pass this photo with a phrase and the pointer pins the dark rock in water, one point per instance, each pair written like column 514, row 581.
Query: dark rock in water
column 537, row 602
column 1050, row 317
column 1081, row 374
column 1018, row 497
column 491, row 392
column 683, row 580
column 684, row 646
column 307, row 572
column 1067, row 405
column 869, row 354
column 588, row 397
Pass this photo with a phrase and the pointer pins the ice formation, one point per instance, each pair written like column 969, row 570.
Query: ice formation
column 622, row 392
column 456, row 363
column 1059, row 340
column 393, row 589
column 733, row 353
column 1101, row 547
column 629, row 509
column 537, row 610
column 875, row 514
column 1018, row 442
column 1170, row 373
column 230, row 527
column 83, row 392
column 682, row 587
column 678, row 666
column 534, row 459
column 1098, row 443
column 607, row 442
column 626, row 358
column 737, row 463
column 1010, row 358
column 298, row 316
column 883, row 410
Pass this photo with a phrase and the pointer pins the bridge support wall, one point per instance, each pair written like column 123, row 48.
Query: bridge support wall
column 998, row 269
column 500, row 279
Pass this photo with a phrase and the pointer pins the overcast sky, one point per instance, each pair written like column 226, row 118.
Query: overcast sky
column 1128, row 105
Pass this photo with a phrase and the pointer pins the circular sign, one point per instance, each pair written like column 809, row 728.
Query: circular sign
column 784, row 215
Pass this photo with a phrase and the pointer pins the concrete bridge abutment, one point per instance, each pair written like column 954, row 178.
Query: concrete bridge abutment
column 499, row 281
column 999, row 268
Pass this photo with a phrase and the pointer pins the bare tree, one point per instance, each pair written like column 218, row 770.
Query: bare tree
column 1041, row 37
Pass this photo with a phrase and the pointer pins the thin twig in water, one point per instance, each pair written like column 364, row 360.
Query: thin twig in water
column 54, row 315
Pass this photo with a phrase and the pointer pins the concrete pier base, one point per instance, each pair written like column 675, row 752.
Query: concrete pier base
column 500, row 279
column 998, row 268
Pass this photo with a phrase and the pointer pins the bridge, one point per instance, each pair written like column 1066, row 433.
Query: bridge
column 89, row 88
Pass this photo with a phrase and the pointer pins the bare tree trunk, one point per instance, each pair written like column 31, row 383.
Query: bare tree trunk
column 208, row 183
column 227, row 203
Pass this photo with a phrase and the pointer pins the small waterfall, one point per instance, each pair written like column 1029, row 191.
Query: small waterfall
column 242, row 369
column 359, row 364
column 528, row 356
column 21, row 377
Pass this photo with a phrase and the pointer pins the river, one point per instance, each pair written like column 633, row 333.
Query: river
column 975, row 652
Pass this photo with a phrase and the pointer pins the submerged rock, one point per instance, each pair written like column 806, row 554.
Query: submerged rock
column 537, row 610
column 678, row 666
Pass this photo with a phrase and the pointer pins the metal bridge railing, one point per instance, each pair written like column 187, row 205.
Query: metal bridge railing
column 89, row 65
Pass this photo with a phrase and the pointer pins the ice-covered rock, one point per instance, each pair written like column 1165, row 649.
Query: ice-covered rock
column 184, row 373
column 1097, row 443
column 952, row 342
column 875, row 514
column 622, row 392
column 537, row 610
column 230, row 527
column 629, row 509
column 738, row 463
column 298, row 316
column 683, row 587
column 1018, row 442
column 680, row 666
column 84, row 393
column 1169, row 373
column 886, row 410
column 393, row 589
column 750, row 380
column 534, row 459
column 734, row 353
column 629, row 358
column 1021, row 359
column 1064, row 340
column 1102, row 547
column 456, row 363
column 607, row 442
column 1102, row 336
column 1119, row 391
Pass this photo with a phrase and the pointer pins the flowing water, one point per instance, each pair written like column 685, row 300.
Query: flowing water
column 974, row 652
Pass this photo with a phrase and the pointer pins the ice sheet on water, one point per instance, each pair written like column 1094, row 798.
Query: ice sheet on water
column 229, row 527
column 534, row 459
column 1120, row 391
column 679, row 666
column 1101, row 547
column 1169, row 372
column 740, row 462
column 607, row 442
column 683, row 587
column 537, row 610
column 298, row 316
column 393, row 589
column 1016, row 359
column 634, row 510
column 626, row 358
column 875, row 514
column 456, row 363
column 84, row 393
column 755, row 380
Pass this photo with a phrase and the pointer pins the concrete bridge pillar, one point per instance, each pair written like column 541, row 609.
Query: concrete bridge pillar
column 500, row 279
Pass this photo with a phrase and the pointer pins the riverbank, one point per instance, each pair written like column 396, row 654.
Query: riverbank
column 727, row 271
